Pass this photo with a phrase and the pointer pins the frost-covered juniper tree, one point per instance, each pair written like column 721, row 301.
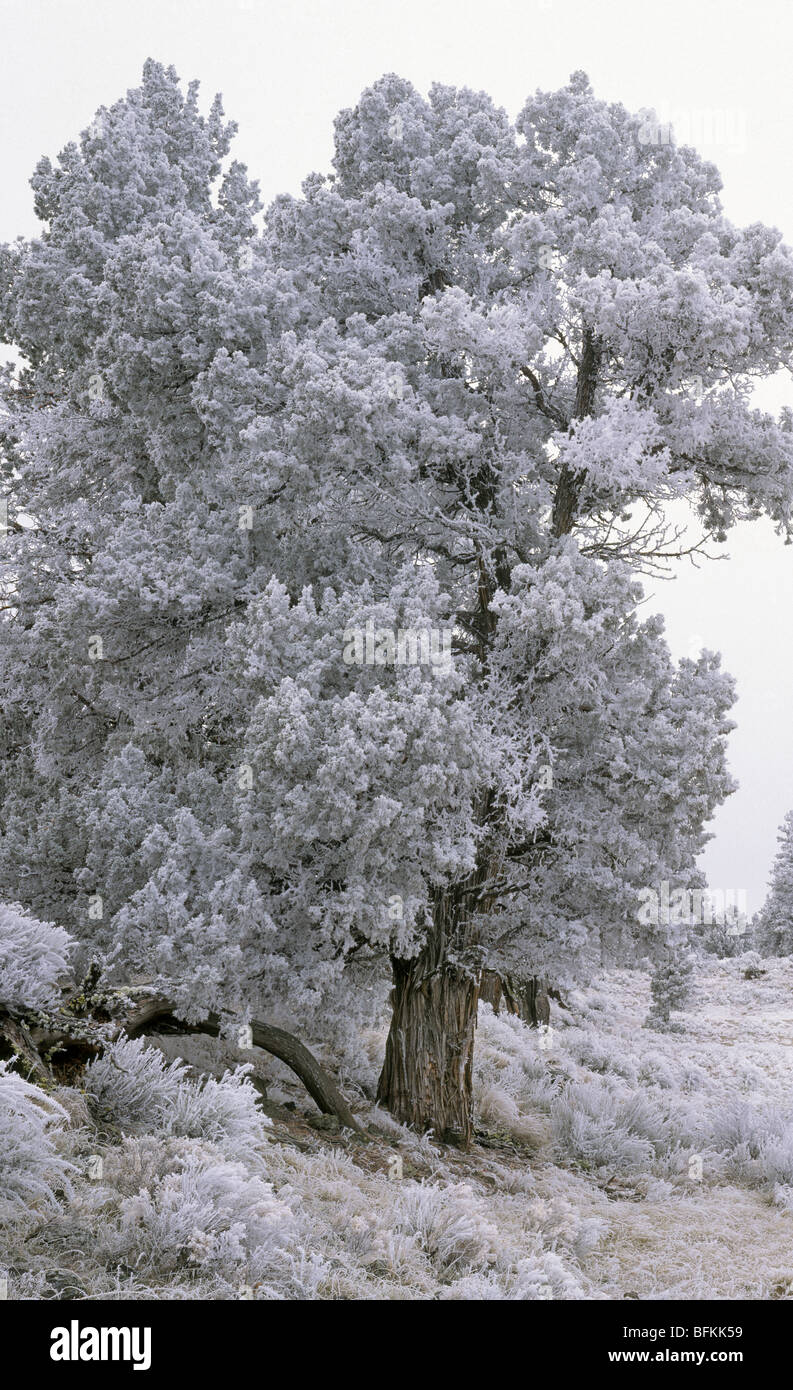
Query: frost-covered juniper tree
column 571, row 328
column 671, row 986
column 773, row 925
column 124, row 559
column 449, row 390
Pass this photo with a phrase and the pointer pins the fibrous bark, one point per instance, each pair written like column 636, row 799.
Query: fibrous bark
column 426, row 1079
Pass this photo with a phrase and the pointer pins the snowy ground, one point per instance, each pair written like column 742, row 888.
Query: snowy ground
column 611, row 1162
column 728, row 1078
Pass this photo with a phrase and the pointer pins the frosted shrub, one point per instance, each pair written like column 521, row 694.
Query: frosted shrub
column 776, row 1159
column 448, row 1225
column 541, row 1276
column 561, row 1224
column 136, row 1087
column 756, row 1143
column 223, row 1112
column 783, row 1197
column 497, row 1109
column 33, row 956
column 597, row 1054
column 511, row 1080
column 307, row 1273
column 741, row 1125
column 30, row 1167
column 595, row 1128
column 752, row 965
column 657, row 1071
column 210, row 1216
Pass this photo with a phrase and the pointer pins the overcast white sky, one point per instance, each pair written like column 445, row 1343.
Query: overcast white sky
column 719, row 69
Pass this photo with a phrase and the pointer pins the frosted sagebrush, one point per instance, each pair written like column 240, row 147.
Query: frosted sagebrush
column 32, row 1171
column 135, row 1086
column 34, row 956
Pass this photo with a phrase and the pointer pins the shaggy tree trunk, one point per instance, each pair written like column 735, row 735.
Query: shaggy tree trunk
column 426, row 1079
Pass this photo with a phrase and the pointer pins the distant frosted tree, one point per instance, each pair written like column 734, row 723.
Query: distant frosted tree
column 773, row 934
column 727, row 935
column 671, row 986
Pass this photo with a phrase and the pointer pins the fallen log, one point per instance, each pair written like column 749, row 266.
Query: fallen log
column 16, row 1040
column 276, row 1041
column 70, row 1032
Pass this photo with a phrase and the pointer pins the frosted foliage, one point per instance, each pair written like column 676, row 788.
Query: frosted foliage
column 33, row 957
column 774, row 922
column 31, row 1169
column 133, row 1085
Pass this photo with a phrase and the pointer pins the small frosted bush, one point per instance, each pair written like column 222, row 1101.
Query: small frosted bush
column 447, row 1224
column 211, row 1216
column 542, row 1276
column 33, row 956
column 744, row 1126
column 594, row 1128
column 133, row 1085
column 596, row 1054
column 138, row 1089
column 776, row 1159
column 756, row 1144
column 562, row 1225
column 30, row 1167
column 222, row 1112
column 511, row 1080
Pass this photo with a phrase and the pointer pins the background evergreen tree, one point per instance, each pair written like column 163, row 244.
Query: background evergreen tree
column 773, row 935
column 671, row 986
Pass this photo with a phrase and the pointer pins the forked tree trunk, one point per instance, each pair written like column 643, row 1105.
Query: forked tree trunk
column 532, row 1002
column 492, row 991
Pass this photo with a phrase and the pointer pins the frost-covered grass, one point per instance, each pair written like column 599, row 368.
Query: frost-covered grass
column 612, row 1161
